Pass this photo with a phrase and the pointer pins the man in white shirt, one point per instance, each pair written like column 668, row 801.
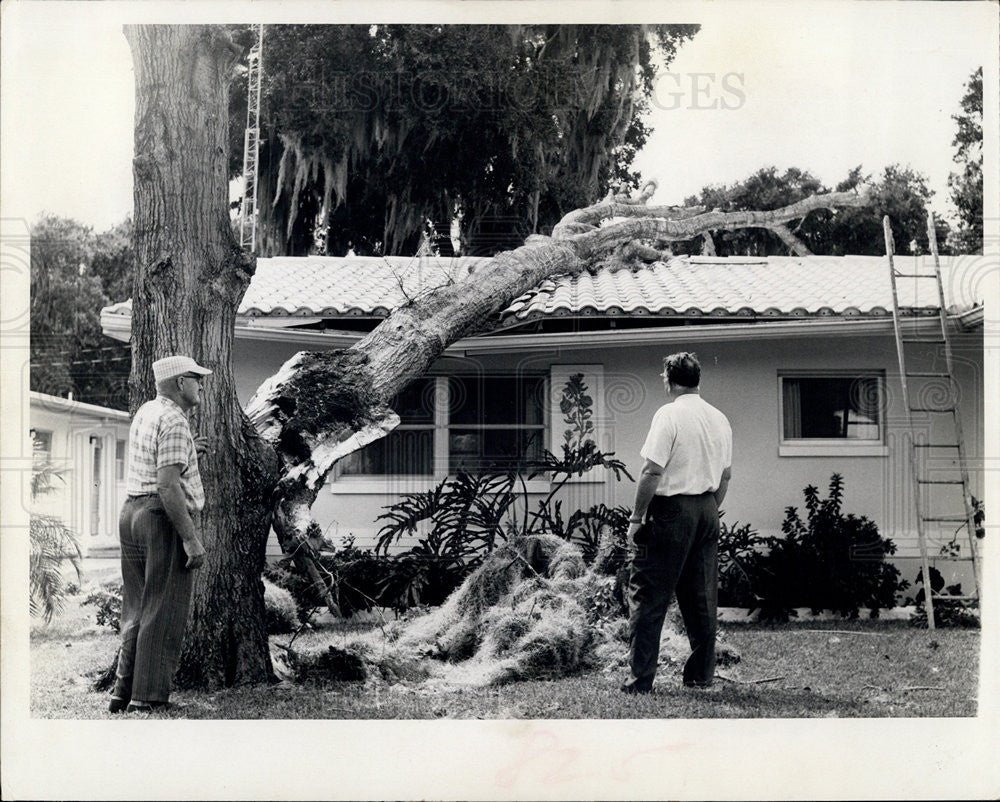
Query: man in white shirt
column 675, row 526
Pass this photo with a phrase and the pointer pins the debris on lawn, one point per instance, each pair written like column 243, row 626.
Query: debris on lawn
column 532, row 610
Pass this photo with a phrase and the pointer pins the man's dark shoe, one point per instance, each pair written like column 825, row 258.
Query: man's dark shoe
column 636, row 688
column 701, row 685
column 117, row 705
column 150, row 707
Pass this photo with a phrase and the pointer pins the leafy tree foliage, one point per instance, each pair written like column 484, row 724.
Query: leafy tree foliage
column 74, row 273
column 370, row 131
column 900, row 192
column 967, row 184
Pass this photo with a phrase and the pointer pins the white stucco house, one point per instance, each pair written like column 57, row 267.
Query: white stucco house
column 798, row 352
column 88, row 446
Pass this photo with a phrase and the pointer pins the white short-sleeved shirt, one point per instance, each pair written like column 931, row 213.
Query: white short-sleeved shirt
column 693, row 441
column 159, row 436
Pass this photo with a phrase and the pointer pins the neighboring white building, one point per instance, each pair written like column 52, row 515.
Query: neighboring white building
column 88, row 445
column 798, row 352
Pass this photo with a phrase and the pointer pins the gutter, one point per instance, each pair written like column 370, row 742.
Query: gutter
column 56, row 403
column 118, row 326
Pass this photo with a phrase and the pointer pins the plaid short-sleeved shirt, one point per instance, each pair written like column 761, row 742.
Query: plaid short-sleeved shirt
column 159, row 436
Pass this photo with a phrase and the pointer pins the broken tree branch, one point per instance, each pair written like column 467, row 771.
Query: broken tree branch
column 793, row 242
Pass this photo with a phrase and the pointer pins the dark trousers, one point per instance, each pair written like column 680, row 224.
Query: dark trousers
column 677, row 551
column 156, row 595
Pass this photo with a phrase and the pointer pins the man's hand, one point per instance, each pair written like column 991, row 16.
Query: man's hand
column 632, row 529
column 195, row 552
column 201, row 444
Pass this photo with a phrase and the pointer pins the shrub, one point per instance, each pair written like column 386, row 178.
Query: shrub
column 830, row 561
column 108, row 601
column 280, row 610
column 740, row 556
column 960, row 613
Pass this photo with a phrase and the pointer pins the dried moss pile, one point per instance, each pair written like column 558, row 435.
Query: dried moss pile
column 532, row 610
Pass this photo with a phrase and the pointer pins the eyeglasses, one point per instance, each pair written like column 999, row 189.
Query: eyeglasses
column 194, row 376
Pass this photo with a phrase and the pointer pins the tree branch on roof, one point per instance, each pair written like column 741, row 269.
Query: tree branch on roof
column 793, row 242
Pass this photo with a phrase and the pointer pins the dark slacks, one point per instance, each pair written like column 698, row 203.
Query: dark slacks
column 156, row 596
column 678, row 553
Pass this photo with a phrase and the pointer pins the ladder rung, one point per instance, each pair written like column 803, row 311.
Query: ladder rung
column 941, row 481
column 925, row 375
column 932, row 409
column 897, row 274
column 954, row 598
column 935, row 445
column 952, row 519
column 936, row 340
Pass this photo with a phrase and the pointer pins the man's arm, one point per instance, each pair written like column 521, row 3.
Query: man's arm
column 720, row 494
column 649, row 480
column 168, row 485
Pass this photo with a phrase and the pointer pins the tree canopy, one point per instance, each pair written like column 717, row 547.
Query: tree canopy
column 369, row 131
column 900, row 192
column 967, row 184
column 74, row 273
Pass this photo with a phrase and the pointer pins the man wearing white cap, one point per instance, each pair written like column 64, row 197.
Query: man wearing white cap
column 160, row 546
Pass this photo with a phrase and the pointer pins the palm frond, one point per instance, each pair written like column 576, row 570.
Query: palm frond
column 51, row 543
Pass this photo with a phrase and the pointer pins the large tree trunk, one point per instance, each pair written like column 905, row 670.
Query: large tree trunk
column 190, row 277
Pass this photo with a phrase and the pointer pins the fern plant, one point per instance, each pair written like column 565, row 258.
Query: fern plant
column 52, row 542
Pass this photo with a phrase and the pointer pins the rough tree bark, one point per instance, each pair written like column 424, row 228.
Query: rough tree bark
column 190, row 276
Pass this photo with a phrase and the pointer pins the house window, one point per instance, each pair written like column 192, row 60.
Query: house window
column 837, row 408
column 494, row 421
column 120, row 446
column 409, row 449
column 457, row 423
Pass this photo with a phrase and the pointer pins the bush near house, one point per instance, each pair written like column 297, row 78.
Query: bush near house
column 829, row 561
column 947, row 612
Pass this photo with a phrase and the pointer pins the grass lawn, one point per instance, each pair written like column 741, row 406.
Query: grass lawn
column 818, row 669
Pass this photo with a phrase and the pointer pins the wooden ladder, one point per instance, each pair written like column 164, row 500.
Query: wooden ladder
column 959, row 477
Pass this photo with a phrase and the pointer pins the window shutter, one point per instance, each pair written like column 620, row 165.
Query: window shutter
column 577, row 411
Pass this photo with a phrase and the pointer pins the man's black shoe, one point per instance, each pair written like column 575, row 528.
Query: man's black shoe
column 150, row 707
column 699, row 685
column 117, row 705
column 634, row 689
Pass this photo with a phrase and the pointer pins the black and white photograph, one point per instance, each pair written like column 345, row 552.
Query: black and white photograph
column 500, row 400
